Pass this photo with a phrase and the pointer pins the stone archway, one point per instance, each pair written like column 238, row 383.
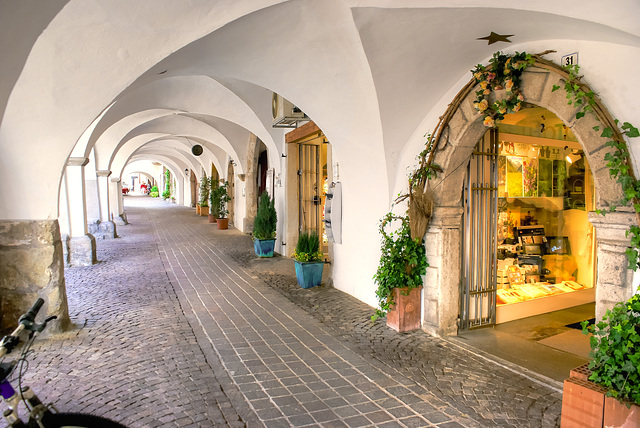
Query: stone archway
column 443, row 239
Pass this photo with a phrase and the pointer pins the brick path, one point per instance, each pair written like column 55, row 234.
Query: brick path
column 180, row 325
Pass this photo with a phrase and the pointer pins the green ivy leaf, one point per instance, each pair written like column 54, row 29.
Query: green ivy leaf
column 631, row 131
column 607, row 133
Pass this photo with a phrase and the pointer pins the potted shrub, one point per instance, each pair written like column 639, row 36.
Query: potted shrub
column 399, row 276
column 154, row 192
column 204, row 196
column 213, row 202
column 264, row 227
column 222, row 196
column 308, row 260
column 607, row 392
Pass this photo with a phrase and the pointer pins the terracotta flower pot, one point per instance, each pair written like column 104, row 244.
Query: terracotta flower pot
column 223, row 223
column 212, row 218
column 405, row 315
column 197, row 209
column 585, row 404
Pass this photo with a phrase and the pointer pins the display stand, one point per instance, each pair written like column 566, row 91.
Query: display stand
column 543, row 305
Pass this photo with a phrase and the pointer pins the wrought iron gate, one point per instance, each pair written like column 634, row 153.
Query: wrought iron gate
column 479, row 249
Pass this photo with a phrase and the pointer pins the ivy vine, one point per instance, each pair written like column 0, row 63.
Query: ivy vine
column 618, row 161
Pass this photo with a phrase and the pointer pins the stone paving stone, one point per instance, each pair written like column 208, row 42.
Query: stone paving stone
column 181, row 325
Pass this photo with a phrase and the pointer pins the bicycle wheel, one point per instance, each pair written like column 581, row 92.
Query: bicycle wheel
column 78, row 420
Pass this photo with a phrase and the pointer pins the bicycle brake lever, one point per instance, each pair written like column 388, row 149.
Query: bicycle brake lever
column 42, row 326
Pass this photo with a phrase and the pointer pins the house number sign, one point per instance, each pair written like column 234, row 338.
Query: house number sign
column 571, row 59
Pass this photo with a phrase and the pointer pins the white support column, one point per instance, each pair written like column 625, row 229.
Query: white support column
column 106, row 228
column 116, row 202
column 91, row 192
column 81, row 245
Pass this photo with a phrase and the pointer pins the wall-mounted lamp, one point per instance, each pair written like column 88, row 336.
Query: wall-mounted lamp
column 186, row 172
column 284, row 156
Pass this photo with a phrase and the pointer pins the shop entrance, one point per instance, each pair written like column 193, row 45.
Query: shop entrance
column 528, row 247
column 309, row 158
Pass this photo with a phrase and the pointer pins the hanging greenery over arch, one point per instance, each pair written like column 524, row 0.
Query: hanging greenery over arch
column 503, row 74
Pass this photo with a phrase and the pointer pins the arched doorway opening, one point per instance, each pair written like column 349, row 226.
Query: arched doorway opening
column 528, row 246
column 444, row 239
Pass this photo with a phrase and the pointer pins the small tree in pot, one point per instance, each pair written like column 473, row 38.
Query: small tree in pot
column 264, row 227
column 213, row 200
column 222, row 196
column 204, row 196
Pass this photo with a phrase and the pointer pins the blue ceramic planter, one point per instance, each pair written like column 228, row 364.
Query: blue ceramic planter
column 264, row 247
column 309, row 274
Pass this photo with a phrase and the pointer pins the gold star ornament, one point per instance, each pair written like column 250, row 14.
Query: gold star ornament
column 494, row 37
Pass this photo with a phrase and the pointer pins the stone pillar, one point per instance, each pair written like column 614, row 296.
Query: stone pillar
column 250, row 189
column 91, row 191
column 115, row 194
column 614, row 281
column 441, row 292
column 105, row 228
column 81, row 245
column 31, row 266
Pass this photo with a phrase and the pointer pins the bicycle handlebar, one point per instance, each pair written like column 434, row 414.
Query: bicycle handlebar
column 26, row 322
column 30, row 316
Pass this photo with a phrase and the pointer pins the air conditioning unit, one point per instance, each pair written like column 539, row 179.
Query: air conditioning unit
column 285, row 114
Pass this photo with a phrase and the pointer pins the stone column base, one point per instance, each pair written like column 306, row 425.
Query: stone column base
column 81, row 251
column 614, row 280
column 31, row 266
column 121, row 220
column 103, row 230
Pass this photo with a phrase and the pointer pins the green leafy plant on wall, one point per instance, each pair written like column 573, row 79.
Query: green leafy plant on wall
column 618, row 161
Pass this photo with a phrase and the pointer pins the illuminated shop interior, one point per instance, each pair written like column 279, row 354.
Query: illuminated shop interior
column 545, row 243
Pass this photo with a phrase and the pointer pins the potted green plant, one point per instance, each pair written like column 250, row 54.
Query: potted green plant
column 154, row 192
column 204, row 196
column 607, row 392
column 222, row 195
column 264, row 227
column 213, row 201
column 308, row 260
column 403, row 261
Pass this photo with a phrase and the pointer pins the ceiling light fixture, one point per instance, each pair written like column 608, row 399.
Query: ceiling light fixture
column 195, row 149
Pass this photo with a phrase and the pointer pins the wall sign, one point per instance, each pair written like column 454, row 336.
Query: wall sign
column 571, row 59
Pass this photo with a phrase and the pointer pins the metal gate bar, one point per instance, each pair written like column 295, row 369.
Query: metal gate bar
column 308, row 187
column 479, row 272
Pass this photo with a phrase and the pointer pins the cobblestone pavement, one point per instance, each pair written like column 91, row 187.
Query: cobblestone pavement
column 181, row 325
